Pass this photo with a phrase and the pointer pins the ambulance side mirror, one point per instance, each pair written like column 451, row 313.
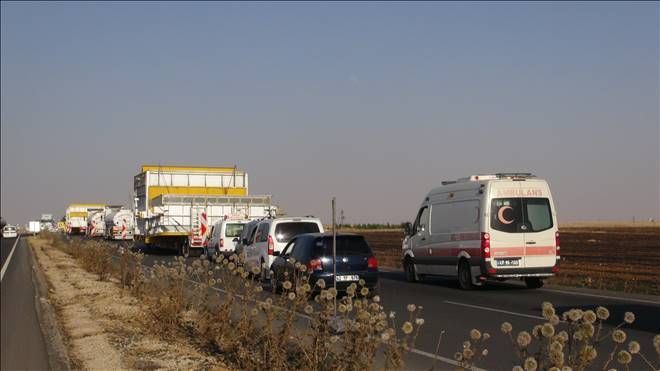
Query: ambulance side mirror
column 407, row 228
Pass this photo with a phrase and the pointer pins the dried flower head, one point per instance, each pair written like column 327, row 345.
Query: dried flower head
column 589, row 316
column 547, row 330
column 458, row 356
column 633, row 347
column 362, row 282
column 376, row 299
column 517, row 368
column 486, row 336
column 548, row 312
column 419, row 321
column 475, row 334
column 320, row 283
column 484, row 352
column 602, row 313
column 341, row 308
column 256, row 270
column 530, row 364
column 556, row 346
column 623, row 357
column 619, row 336
column 506, row 327
column 407, row 328
column 554, row 319
column 309, row 309
column 411, row 307
column 468, row 353
column 590, row 352
column 629, row 317
column 385, row 336
column 364, row 291
column 287, row 285
column 292, row 296
column 523, row 339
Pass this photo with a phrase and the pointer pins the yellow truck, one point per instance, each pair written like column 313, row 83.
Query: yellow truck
column 76, row 217
column 176, row 205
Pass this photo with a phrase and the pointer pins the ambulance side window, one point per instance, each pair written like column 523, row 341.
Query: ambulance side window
column 422, row 220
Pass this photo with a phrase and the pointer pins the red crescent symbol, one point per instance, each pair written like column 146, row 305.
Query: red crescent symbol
column 500, row 215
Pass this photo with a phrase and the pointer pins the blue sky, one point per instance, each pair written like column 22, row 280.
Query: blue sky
column 374, row 103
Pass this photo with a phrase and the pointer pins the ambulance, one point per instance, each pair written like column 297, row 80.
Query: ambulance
column 484, row 227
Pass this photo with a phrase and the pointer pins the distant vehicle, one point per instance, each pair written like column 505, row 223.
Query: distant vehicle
column 355, row 261
column 272, row 235
column 34, row 227
column 176, row 205
column 119, row 223
column 95, row 223
column 9, row 231
column 247, row 236
column 76, row 217
column 224, row 236
column 485, row 227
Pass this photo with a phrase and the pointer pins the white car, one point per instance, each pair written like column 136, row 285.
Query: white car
column 224, row 237
column 9, row 231
column 272, row 235
column 485, row 227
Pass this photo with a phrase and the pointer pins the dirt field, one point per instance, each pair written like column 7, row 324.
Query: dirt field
column 608, row 256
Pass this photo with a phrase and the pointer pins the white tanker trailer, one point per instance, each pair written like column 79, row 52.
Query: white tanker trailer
column 95, row 224
column 119, row 223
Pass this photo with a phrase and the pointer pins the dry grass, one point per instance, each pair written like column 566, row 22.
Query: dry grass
column 218, row 308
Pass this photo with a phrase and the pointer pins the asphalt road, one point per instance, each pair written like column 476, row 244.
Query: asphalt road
column 23, row 346
column 454, row 311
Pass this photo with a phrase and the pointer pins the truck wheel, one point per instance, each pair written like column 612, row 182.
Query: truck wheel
column 409, row 270
column 533, row 282
column 464, row 275
column 185, row 249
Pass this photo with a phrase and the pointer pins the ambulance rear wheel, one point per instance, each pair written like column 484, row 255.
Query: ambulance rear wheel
column 464, row 275
column 533, row 282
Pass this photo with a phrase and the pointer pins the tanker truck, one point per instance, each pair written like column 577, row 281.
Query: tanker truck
column 119, row 223
column 76, row 217
column 95, row 224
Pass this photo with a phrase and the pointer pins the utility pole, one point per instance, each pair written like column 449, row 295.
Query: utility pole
column 334, row 253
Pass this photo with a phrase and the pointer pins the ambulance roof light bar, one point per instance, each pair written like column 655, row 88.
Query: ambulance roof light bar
column 476, row 178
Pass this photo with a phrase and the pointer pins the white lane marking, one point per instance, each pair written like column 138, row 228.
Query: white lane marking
column 4, row 267
column 493, row 309
column 442, row 359
column 603, row 296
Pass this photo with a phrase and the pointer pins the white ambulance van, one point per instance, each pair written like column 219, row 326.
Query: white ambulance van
column 485, row 227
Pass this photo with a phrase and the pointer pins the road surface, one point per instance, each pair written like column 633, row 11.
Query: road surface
column 454, row 311
column 23, row 346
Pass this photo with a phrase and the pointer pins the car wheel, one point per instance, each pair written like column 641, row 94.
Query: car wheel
column 464, row 275
column 264, row 271
column 409, row 270
column 533, row 282
column 273, row 283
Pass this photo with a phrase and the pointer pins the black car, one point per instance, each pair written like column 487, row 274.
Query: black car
column 355, row 260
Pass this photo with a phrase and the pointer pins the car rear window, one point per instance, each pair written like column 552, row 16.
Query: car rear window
column 285, row 231
column 346, row 246
column 234, row 229
column 519, row 215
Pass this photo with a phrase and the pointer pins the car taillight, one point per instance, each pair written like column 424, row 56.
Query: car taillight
column 372, row 263
column 485, row 245
column 271, row 245
column 557, row 243
column 222, row 242
column 315, row 265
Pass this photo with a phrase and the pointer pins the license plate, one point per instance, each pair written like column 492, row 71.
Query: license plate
column 354, row 277
column 508, row 262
